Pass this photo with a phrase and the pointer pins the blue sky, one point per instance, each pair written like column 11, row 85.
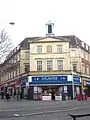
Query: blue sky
column 71, row 17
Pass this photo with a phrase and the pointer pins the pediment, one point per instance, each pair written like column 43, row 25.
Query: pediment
column 49, row 38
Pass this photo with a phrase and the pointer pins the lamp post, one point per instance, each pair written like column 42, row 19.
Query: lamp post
column 72, row 81
column 72, row 84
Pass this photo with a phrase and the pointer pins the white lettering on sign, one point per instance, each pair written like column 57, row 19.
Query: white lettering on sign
column 49, row 78
column 88, row 83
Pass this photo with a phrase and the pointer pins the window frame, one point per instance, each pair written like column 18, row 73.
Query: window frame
column 39, row 66
column 74, row 65
column 59, row 65
column 59, row 48
column 49, row 65
column 39, row 48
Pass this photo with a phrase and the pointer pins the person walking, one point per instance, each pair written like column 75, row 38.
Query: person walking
column 53, row 96
column 2, row 95
column 14, row 94
column 7, row 96
column 18, row 95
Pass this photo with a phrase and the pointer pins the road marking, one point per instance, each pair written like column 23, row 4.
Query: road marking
column 16, row 115
column 46, row 112
column 8, row 110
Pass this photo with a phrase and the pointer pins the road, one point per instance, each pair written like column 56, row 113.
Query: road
column 42, row 110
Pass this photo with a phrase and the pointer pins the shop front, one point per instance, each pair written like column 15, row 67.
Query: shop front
column 12, row 86
column 87, row 87
column 44, row 87
column 24, row 88
column 1, row 87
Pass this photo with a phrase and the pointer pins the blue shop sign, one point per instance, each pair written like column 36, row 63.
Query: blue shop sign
column 24, row 80
column 87, row 82
column 76, row 79
column 49, row 80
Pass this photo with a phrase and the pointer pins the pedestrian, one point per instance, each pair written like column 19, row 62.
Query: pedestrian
column 21, row 95
column 18, row 95
column 2, row 95
column 7, row 96
column 53, row 96
column 14, row 94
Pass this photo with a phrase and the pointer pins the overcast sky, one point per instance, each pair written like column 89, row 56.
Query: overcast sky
column 71, row 17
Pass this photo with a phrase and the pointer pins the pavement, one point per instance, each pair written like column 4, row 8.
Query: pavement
column 42, row 110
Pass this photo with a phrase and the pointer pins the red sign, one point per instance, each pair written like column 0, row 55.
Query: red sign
column 15, row 82
column 1, row 85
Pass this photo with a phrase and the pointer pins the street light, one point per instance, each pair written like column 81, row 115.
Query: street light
column 72, row 84
column 12, row 23
column 71, row 65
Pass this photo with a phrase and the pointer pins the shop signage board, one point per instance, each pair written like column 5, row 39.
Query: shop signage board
column 55, row 80
column 49, row 80
column 24, row 80
column 76, row 79
column 87, row 82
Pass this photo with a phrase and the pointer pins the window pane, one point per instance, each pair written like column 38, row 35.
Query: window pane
column 14, row 73
column 27, row 55
column 39, row 65
column 59, row 48
column 49, row 65
column 86, row 56
column 87, row 69
column 18, row 56
column 18, row 71
column 27, row 67
column 75, row 67
column 49, row 28
column 39, row 49
column 83, row 68
column 60, row 64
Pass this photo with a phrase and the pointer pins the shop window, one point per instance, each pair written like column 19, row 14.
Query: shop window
column 60, row 64
column 49, row 49
column 49, row 65
column 59, row 48
column 39, row 49
column 39, row 65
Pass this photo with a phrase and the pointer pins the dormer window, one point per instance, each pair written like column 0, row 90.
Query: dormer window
column 82, row 44
column 86, row 47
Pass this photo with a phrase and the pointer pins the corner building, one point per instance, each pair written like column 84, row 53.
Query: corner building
column 42, row 66
column 58, row 65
